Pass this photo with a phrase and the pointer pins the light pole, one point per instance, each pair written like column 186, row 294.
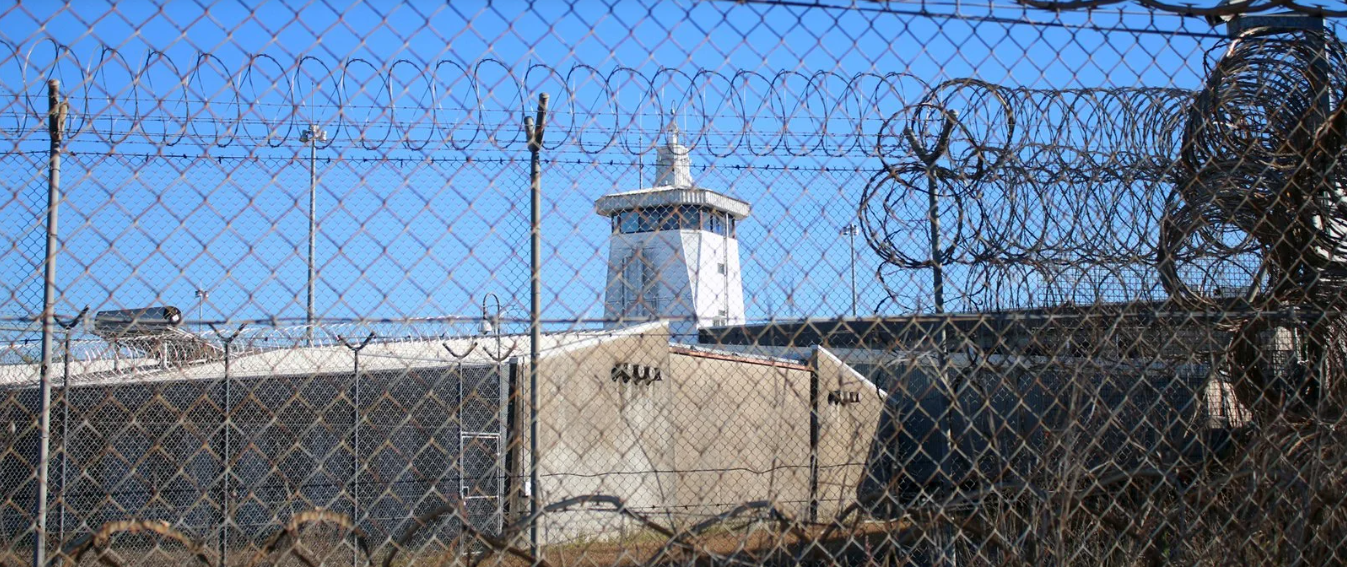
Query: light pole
column 850, row 231
column 311, row 137
column 491, row 323
column 204, row 296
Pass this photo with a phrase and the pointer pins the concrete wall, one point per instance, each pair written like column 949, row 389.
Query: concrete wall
column 597, row 436
column 742, row 430
column 156, row 450
column 846, row 432
column 716, row 431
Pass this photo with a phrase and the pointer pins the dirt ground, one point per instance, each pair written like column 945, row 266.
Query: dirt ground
column 758, row 545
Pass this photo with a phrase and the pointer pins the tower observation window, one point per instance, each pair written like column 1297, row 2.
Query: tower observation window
column 673, row 217
column 717, row 223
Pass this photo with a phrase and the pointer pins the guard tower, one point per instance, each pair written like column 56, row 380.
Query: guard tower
column 673, row 253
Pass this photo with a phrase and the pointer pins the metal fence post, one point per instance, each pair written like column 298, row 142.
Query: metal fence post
column 534, row 130
column 56, row 110
column 65, row 416
column 354, row 490
column 226, row 500
column 815, row 428
column 942, row 374
column 932, row 172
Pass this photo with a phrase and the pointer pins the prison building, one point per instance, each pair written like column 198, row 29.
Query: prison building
column 386, row 435
column 1111, row 387
column 400, row 428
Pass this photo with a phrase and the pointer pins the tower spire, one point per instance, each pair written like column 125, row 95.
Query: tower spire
column 671, row 129
column 673, row 168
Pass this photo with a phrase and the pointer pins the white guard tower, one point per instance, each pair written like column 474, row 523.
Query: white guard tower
column 673, row 253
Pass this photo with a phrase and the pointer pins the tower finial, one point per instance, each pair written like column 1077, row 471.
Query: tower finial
column 673, row 168
column 671, row 130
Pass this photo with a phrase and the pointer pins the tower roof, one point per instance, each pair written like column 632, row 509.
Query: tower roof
column 609, row 205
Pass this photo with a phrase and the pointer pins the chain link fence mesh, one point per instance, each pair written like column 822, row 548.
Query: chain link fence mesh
column 825, row 282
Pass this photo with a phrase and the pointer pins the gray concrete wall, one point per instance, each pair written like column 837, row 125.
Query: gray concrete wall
column 846, row 432
column 597, row 436
column 716, row 431
column 742, row 431
column 155, row 450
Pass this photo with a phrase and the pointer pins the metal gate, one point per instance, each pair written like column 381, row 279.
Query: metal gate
column 481, row 419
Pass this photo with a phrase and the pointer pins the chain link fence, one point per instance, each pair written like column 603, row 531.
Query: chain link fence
column 767, row 282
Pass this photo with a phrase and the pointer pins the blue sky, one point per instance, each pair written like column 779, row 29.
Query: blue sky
column 423, row 190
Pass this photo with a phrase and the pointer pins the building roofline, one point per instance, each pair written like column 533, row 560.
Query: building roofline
column 732, row 356
column 890, row 331
column 309, row 361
